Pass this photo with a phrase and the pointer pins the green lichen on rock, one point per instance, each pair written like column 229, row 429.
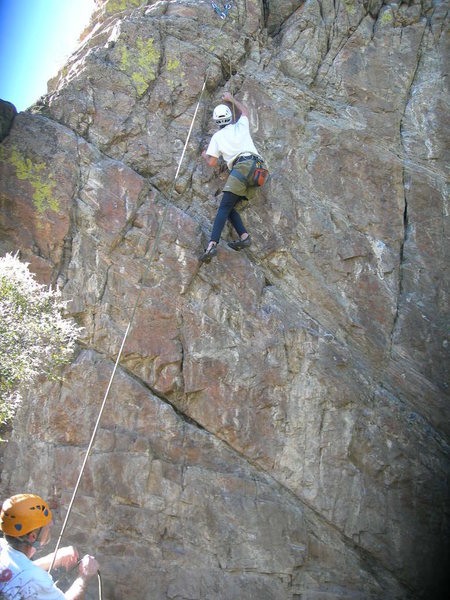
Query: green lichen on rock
column 173, row 64
column 123, row 57
column 386, row 17
column 173, row 67
column 114, row 6
column 140, row 62
column 148, row 59
column 35, row 173
column 350, row 6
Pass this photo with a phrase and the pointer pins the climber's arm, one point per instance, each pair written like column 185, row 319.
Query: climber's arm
column 210, row 160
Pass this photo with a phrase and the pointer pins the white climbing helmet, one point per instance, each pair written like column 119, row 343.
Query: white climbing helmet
column 222, row 114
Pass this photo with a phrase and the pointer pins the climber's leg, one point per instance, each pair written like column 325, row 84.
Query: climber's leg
column 226, row 209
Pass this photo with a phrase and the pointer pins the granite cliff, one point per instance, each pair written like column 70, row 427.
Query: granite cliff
column 278, row 425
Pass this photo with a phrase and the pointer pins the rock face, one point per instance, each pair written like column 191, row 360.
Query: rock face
column 278, row 424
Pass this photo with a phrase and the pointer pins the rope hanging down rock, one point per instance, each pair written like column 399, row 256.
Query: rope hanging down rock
column 223, row 15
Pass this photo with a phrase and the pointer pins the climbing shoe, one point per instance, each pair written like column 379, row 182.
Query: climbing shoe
column 208, row 254
column 239, row 244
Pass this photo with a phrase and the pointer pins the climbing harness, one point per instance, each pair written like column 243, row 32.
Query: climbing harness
column 257, row 174
column 223, row 16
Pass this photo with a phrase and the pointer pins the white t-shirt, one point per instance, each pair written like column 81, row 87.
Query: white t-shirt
column 232, row 140
column 20, row 579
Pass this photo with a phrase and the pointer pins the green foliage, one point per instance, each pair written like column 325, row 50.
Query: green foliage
column 35, row 338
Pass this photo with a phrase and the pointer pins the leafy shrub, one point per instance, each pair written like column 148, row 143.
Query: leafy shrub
column 35, row 337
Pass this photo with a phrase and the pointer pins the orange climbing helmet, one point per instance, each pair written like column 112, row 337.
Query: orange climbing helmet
column 23, row 513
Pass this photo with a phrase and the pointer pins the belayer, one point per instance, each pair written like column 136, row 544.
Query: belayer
column 25, row 521
column 234, row 143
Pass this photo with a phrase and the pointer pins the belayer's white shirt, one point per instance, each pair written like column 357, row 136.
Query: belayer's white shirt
column 21, row 579
column 232, row 140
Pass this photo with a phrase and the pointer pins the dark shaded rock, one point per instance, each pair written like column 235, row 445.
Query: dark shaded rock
column 7, row 114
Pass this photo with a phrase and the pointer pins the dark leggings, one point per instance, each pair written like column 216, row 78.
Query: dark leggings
column 226, row 211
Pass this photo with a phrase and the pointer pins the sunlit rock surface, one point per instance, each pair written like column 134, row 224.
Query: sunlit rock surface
column 278, row 425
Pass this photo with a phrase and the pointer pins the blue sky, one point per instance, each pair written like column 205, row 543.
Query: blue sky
column 36, row 38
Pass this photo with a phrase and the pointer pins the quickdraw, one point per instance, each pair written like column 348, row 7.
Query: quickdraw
column 223, row 14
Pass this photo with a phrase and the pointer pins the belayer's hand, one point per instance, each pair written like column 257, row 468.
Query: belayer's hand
column 88, row 567
column 67, row 557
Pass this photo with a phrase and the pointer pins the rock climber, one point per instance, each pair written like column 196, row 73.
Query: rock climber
column 25, row 521
column 234, row 143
